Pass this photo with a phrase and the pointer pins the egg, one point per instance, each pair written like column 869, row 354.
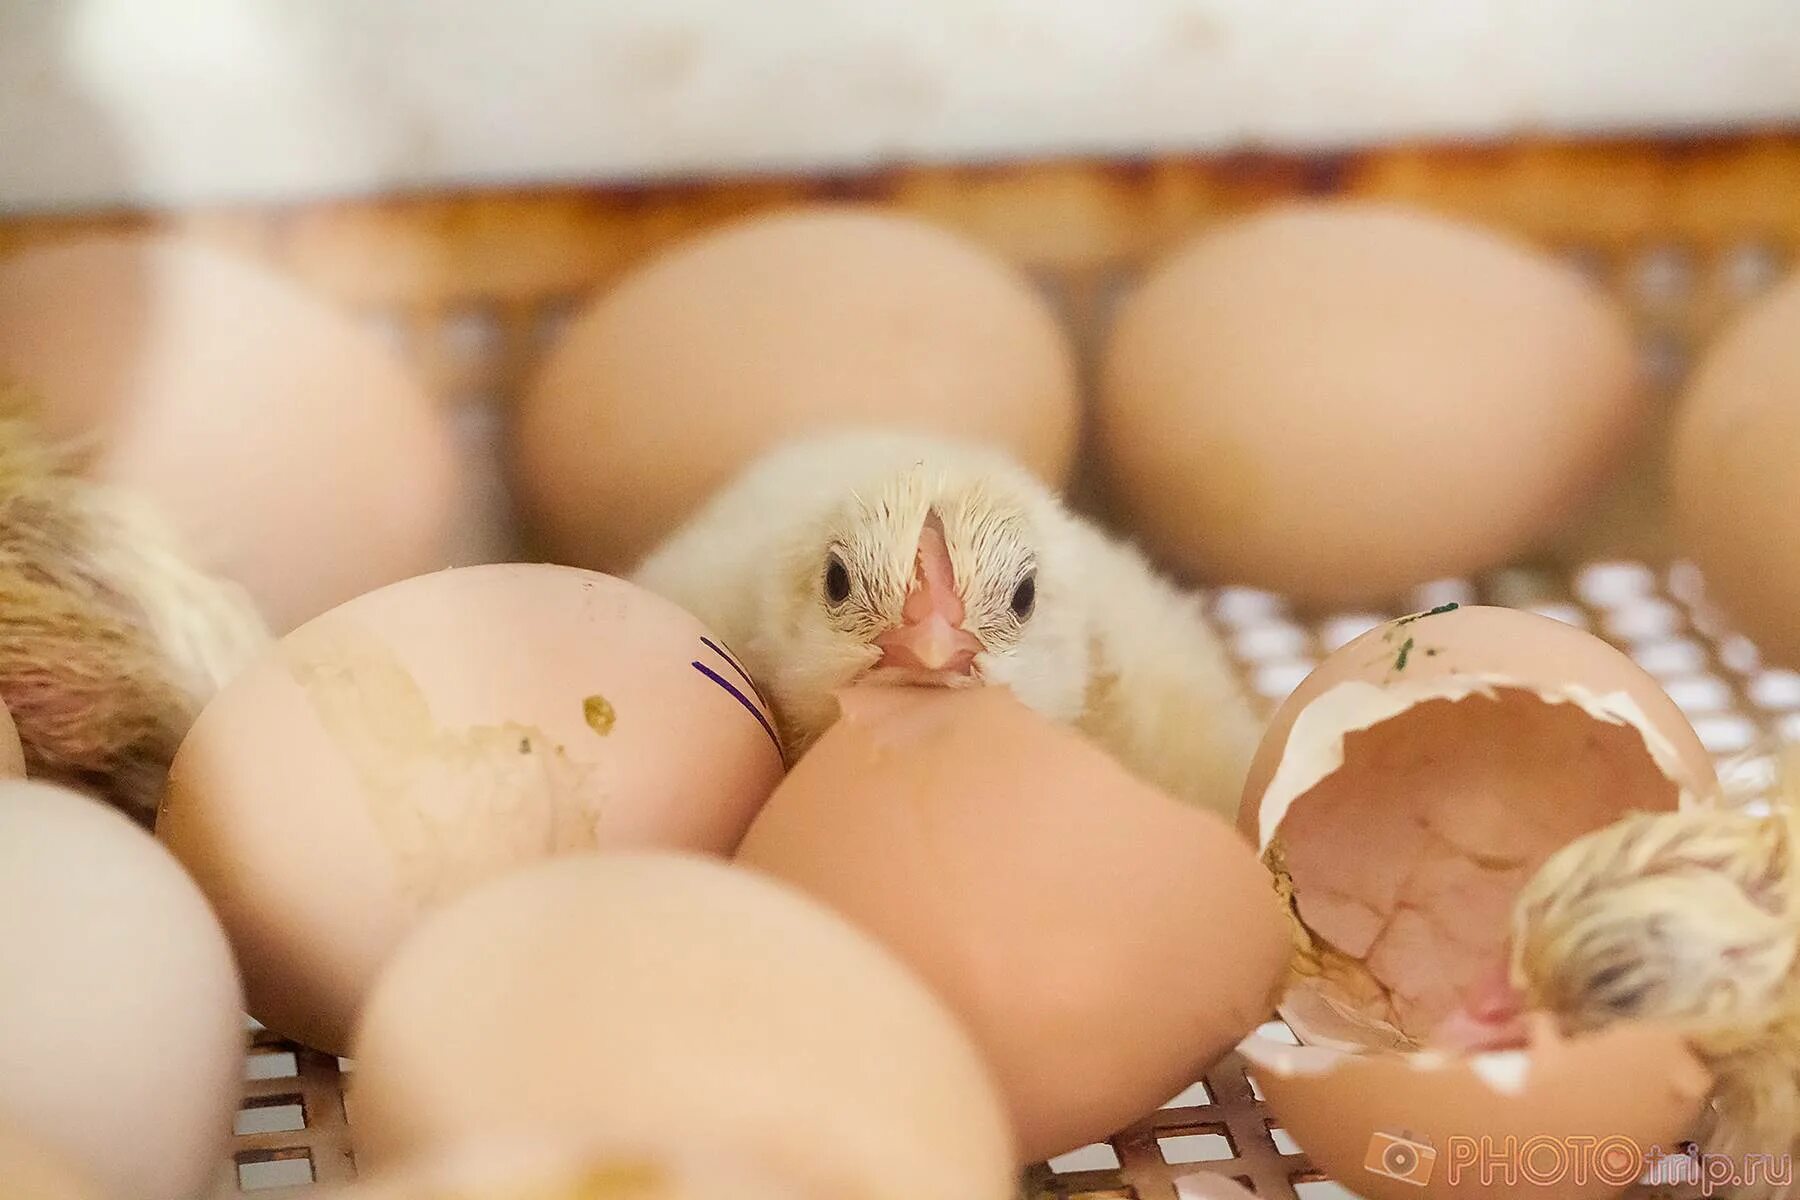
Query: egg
column 121, row 1026
column 610, row 1000
column 512, row 1171
column 288, row 446
column 1736, row 472
column 12, row 753
column 1338, row 401
column 1413, row 783
column 1105, row 943
column 772, row 327
column 388, row 755
column 1567, row 1120
column 29, row 1173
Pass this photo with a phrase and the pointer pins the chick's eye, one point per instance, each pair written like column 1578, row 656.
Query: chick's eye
column 837, row 581
column 1024, row 597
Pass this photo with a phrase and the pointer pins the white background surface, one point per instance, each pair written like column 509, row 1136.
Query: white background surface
column 183, row 100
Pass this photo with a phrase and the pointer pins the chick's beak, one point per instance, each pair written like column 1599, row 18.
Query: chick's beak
column 930, row 636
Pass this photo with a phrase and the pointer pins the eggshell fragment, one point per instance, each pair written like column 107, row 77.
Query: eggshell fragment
column 1736, row 471
column 12, row 753
column 487, row 1172
column 1415, row 781
column 609, row 1000
column 1338, row 401
column 121, row 1024
column 1562, row 1120
column 407, row 745
column 1105, row 943
column 770, row 328
column 288, row 446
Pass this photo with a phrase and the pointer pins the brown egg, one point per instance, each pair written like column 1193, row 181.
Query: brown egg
column 12, row 754
column 1737, row 472
column 1339, row 401
column 1415, row 781
column 28, row 1172
column 411, row 743
column 287, row 445
column 1105, row 943
column 121, row 1025
column 769, row 328
column 611, row 1000
column 1563, row 1120
column 509, row 1171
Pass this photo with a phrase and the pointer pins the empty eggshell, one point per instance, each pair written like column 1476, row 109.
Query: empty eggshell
column 392, row 753
column 121, row 1025
column 1737, row 472
column 1105, row 943
column 288, row 446
column 611, row 1000
column 1338, row 401
column 511, row 1172
column 12, row 754
column 769, row 328
column 1562, row 1120
column 1415, row 781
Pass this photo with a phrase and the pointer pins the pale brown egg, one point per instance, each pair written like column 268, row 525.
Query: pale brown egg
column 770, row 328
column 1414, row 782
column 288, row 446
column 1339, row 401
column 612, row 1000
column 29, row 1172
column 1737, row 472
column 1105, row 943
column 405, row 746
column 509, row 1170
column 121, row 1023
column 12, row 753
column 1580, row 1119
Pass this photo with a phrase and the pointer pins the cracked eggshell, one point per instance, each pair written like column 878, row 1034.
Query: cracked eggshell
column 1600, row 1102
column 390, row 754
column 621, row 999
column 1411, row 785
column 1105, row 943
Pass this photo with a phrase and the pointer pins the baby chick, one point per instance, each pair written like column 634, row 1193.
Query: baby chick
column 1690, row 918
column 901, row 559
column 109, row 640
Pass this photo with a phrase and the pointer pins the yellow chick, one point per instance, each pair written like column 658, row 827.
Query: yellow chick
column 109, row 639
column 1690, row 918
column 901, row 559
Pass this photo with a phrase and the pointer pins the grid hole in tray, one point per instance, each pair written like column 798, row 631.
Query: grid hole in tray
column 1749, row 267
column 271, row 1114
column 1207, row 1143
column 1779, row 690
column 1195, row 1095
column 1322, row 1189
column 1097, row 1157
column 259, row 1171
column 1283, row 1140
column 1206, row 1185
column 1662, row 276
column 271, row 1064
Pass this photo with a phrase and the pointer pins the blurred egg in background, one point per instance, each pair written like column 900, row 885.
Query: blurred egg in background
column 288, row 445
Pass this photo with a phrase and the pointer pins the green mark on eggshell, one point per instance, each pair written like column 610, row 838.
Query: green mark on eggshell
column 1405, row 652
column 598, row 712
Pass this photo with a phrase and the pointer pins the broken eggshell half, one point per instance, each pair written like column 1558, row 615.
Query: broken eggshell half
column 1562, row 1120
column 1408, row 789
column 1403, row 796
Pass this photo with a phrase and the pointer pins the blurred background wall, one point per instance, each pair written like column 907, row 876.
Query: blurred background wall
column 168, row 101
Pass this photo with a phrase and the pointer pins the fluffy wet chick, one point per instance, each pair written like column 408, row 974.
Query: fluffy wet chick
column 110, row 640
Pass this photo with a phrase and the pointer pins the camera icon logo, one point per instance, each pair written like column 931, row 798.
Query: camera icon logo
column 1401, row 1157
